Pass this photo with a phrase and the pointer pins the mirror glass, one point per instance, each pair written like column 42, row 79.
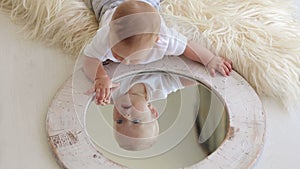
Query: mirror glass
column 158, row 120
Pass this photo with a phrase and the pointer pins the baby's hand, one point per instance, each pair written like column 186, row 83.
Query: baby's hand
column 220, row 64
column 103, row 87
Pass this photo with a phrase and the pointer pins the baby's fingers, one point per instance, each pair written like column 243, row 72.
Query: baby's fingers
column 97, row 96
column 100, row 94
column 105, row 102
column 107, row 94
column 228, row 65
column 223, row 70
column 226, row 70
column 212, row 72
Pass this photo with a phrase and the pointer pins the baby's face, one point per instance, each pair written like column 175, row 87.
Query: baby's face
column 134, row 108
column 135, row 127
column 134, row 116
column 134, row 134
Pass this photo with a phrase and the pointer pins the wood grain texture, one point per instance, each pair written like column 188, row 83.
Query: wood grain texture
column 241, row 148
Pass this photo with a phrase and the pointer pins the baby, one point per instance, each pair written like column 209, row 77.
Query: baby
column 132, row 32
column 135, row 118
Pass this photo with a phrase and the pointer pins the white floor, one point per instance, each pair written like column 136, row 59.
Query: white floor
column 31, row 74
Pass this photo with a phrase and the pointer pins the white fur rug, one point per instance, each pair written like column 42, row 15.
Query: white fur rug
column 261, row 37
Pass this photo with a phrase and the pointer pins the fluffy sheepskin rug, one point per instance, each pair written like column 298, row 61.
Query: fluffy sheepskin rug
column 261, row 37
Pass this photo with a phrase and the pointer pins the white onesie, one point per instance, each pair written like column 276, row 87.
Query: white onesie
column 158, row 86
column 170, row 42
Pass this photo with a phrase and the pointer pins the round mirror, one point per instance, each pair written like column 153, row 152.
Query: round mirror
column 194, row 121
column 187, row 122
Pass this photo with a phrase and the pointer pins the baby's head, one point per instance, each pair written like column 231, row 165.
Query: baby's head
column 134, row 28
column 135, row 121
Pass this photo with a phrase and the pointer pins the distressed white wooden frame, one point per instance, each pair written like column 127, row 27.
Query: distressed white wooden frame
column 242, row 146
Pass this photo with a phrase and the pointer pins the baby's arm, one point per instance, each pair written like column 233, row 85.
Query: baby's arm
column 94, row 69
column 199, row 53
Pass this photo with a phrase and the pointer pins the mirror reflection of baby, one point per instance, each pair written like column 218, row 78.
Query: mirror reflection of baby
column 135, row 118
column 133, row 32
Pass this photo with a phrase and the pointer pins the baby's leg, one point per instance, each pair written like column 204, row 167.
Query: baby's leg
column 155, row 3
column 101, row 6
column 90, row 67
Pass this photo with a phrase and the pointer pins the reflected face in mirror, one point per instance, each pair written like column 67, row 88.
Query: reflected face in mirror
column 135, row 119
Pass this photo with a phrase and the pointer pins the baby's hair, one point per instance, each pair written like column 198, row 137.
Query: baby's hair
column 151, row 18
column 137, row 143
column 132, row 7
